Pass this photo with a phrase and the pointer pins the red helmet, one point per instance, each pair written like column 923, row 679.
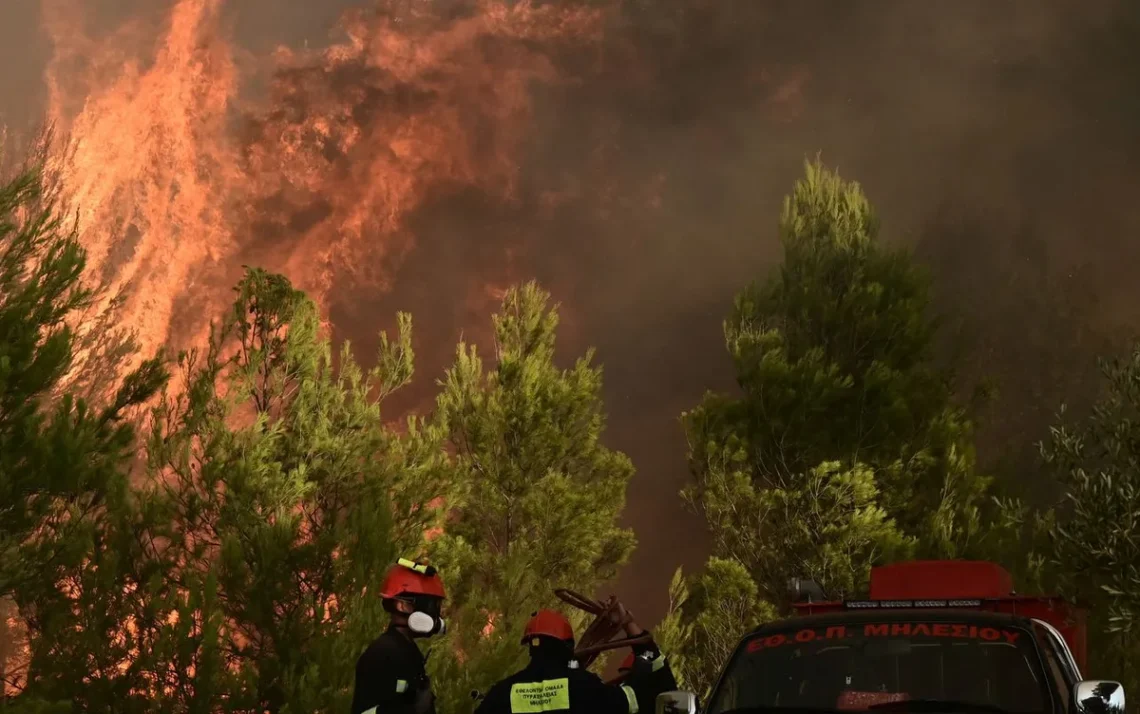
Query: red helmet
column 550, row 624
column 407, row 577
column 627, row 663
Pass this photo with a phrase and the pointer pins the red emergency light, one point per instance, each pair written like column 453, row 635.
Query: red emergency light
column 942, row 579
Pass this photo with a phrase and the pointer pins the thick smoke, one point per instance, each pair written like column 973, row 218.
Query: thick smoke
column 993, row 137
column 643, row 176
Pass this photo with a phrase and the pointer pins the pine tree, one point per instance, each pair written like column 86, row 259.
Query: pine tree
column 706, row 620
column 63, row 467
column 844, row 447
column 834, row 358
column 289, row 499
column 540, row 499
column 827, row 527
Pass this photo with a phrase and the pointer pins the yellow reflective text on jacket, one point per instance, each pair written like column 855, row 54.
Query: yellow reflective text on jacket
column 550, row 695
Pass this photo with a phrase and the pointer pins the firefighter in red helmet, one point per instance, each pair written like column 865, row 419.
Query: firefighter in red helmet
column 390, row 675
column 553, row 682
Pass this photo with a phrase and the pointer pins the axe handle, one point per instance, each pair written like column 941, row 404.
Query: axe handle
column 602, row 647
column 600, row 629
column 580, row 601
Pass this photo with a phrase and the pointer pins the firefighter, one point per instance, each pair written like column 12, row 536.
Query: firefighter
column 390, row 675
column 553, row 682
column 651, row 674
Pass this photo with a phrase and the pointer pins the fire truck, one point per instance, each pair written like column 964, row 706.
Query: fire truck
column 931, row 636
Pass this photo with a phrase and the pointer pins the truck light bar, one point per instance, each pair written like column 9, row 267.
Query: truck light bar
column 904, row 604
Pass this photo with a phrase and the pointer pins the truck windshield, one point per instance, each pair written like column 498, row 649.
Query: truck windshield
column 886, row 666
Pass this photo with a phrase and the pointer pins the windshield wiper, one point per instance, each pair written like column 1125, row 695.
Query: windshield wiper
column 937, row 705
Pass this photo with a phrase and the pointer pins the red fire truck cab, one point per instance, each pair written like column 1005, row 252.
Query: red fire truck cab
column 932, row 636
column 964, row 584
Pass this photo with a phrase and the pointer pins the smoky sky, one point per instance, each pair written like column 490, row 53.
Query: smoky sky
column 998, row 140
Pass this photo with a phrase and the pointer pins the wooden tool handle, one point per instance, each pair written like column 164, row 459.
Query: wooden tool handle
column 594, row 650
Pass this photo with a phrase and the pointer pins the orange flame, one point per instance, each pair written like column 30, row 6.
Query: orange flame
column 146, row 170
column 172, row 192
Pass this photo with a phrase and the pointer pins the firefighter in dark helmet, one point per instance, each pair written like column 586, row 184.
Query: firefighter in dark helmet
column 553, row 682
column 653, row 676
column 390, row 675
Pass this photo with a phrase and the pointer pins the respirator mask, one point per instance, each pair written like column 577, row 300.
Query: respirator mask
column 426, row 619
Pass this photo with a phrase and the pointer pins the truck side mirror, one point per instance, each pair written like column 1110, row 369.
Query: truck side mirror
column 677, row 703
column 1098, row 697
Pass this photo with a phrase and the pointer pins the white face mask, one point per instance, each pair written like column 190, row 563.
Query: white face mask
column 422, row 623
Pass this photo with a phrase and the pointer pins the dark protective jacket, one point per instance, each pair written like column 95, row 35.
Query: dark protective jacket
column 391, row 679
column 651, row 675
column 550, row 685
